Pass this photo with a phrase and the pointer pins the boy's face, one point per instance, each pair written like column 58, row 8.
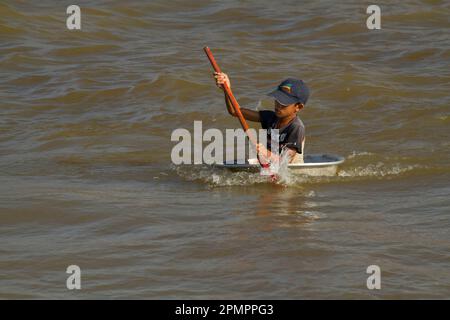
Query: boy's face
column 284, row 111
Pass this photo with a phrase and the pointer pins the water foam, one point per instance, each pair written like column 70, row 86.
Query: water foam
column 360, row 166
column 377, row 170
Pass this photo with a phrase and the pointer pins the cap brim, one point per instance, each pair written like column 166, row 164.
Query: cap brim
column 282, row 97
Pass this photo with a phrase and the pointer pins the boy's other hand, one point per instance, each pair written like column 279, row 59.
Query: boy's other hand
column 263, row 153
column 222, row 78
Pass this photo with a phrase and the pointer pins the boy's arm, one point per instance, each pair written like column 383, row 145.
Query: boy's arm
column 250, row 115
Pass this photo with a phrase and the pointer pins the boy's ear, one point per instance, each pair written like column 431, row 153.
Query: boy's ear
column 300, row 106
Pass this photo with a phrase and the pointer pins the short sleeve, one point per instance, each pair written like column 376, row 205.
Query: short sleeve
column 295, row 138
column 267, row 118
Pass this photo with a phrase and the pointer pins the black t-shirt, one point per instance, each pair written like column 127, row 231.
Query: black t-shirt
column 290, row 136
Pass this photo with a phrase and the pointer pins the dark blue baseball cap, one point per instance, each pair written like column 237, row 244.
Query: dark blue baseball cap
column 291, row 91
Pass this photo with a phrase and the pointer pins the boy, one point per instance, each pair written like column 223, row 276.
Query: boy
column 290, row 97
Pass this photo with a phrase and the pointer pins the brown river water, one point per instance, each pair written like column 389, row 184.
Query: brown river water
column 86, row 176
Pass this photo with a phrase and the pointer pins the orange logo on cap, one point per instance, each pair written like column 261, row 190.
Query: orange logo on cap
column 287, row 88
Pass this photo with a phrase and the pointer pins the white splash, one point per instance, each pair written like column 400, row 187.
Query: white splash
column 355, row 154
